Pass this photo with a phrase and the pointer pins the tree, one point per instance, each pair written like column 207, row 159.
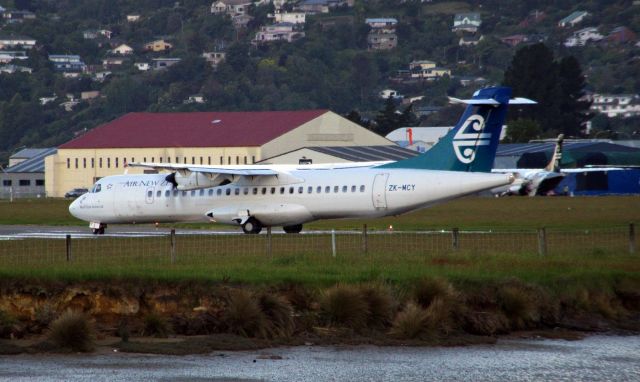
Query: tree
column 522, row 130
column 388, row 119
column 574, row 110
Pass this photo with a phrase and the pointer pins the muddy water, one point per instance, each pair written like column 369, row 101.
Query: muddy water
column 595, row 358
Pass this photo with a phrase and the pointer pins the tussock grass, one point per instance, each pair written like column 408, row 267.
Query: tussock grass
column 344, row 305
column 156, row 325
column 411, row 323
column 278, row 313
column 72, row 331
column 428, row 289
column 243, row 315
column 7, row 323
column 517, row 304
column 380, row 304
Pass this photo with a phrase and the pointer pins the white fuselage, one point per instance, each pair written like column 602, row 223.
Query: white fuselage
column 304, row 195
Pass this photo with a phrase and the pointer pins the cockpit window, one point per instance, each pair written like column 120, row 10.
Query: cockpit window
column 96, row 188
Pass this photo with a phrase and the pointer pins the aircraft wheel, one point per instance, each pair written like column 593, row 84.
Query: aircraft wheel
column 293, row 228
column 101, row 231
column 95, row 231
column 252, row 226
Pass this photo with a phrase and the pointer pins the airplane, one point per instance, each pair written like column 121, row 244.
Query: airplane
column 534, row 182
column 257, row 196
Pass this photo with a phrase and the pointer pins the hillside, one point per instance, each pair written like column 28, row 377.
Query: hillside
column 329, row 63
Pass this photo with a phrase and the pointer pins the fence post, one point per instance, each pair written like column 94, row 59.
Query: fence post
column 333, row 242
column 632, row 238
column 542, row 241
column 68, row 247
column 455, row 238
column 173, row 246
column 364, row 239
column 269, row 248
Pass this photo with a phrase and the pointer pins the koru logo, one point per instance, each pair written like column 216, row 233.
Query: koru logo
column 468, row 138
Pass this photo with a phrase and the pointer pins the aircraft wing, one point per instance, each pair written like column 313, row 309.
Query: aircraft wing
column 192, row 177
column 591, row 169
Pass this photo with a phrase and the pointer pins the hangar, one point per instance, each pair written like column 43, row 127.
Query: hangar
column 208, row 138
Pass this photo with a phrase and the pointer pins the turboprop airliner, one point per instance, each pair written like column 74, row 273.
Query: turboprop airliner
column 257, row 196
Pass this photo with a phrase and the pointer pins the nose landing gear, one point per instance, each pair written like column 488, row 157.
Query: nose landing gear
column 97, row 228
column 252, row 226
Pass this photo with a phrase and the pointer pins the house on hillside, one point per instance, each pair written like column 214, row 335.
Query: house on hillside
column 277, row 32
column 470, row 40
column 382, row 24
column 583, row 37
column 142, row 66
column 573, row 19
column 241, row 21
column 92, row 34
column 157, row 46
column 67, row 63
column 112, row 62
column 230, row 7
column 467, row 22
column 7, row 56
column 214, row 58
column 17, row 16
column 621, row 35
column 616, row 105
column 13, row 41
column 163, row 63
column 133, row 18
column 288, row 17
column 515, row 39
column 381, row 40
column 123, row 50
column 10, row 69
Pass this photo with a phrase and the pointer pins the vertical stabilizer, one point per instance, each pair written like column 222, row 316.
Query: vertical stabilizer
column 471, row 145
column 554, row 163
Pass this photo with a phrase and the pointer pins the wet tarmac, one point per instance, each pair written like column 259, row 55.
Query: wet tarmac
column 595, row 358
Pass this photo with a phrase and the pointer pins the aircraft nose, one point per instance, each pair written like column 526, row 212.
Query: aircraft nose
column 74, row 208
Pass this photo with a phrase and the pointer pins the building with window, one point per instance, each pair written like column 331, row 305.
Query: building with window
column 202, row 138
column 24, row 177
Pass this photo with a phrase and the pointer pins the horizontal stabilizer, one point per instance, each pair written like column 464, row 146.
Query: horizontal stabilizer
column 522, row 101
column 492, row 102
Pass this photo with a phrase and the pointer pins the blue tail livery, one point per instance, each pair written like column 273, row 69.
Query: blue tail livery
column 471, row 145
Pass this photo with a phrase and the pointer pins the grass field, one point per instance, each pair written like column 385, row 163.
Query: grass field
column 466, row 213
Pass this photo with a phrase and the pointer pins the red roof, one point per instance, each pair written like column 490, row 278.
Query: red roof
column 201, row 129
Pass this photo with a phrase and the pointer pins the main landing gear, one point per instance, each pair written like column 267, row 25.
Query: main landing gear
column 252, row 226
column 292, row 228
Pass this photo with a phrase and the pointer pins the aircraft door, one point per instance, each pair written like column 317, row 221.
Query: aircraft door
column 149, row 196
column 379, row 190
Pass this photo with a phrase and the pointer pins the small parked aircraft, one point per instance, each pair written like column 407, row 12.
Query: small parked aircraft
column 532, row 182
column 257, row 196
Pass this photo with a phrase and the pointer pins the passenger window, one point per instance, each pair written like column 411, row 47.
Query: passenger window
column 327, row 189
column 184, row 193
column 319, row 189
column 353, row 188
column 193, row 192
column 175, row 193
column 201, row 192
column 149, row 194
column 237, row 191
column 158, row 194
column 336, row 189
column 167, row 194
column 228, row 191
column 245, row 191
column 211, row 192
column 310, row 190
column 282, row 190
column 273, row 190
column 255, row 191
column 362, row 188
column 300, row 190
column 264, row 190
column 219, row 192
column 344, row 188
column 291, row 190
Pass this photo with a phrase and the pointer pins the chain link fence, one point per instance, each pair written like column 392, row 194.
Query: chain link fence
column 166, row 250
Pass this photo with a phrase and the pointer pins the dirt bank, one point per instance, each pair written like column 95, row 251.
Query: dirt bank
column 198, row 317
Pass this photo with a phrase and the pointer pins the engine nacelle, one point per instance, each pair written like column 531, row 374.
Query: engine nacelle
column 196, row 180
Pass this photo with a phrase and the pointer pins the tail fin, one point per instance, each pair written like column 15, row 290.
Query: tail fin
column 554, row 163
column 471, row 145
